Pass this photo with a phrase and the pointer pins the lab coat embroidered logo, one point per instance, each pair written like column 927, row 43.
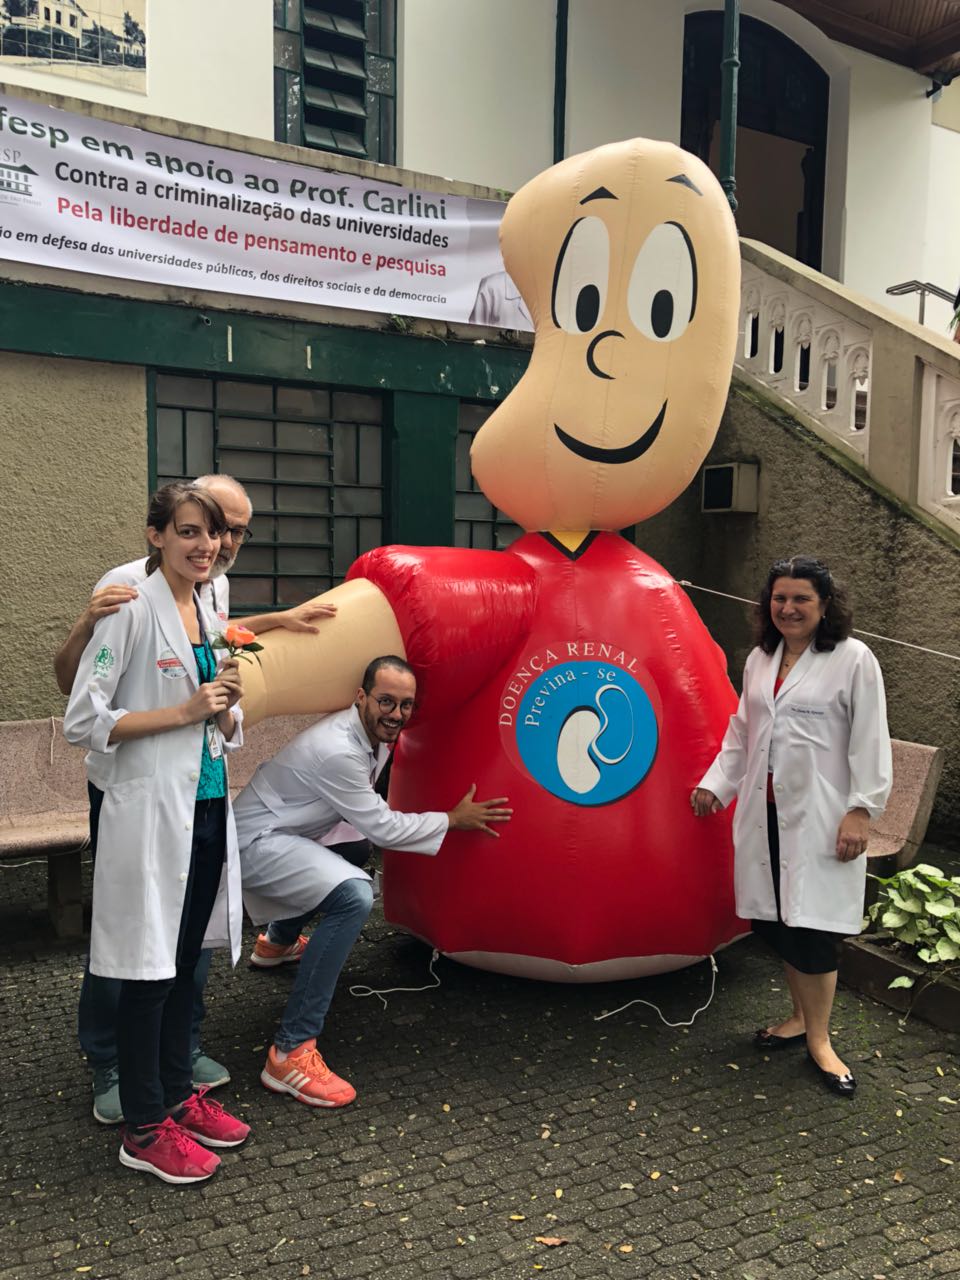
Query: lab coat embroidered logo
column 585, row 730
column 103, row 661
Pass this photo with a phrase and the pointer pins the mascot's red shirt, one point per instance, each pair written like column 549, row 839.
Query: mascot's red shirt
column 585, row 688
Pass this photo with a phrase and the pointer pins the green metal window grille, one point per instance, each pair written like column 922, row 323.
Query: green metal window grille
column 309, row 457
column 477, row 523
column 335, row 76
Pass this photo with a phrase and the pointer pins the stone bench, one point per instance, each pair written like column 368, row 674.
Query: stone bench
column 896, row 836
column 43, row 802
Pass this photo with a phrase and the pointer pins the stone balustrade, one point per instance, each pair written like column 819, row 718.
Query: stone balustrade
column 879, row 388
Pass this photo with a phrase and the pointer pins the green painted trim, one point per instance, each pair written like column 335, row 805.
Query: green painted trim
column 772, row 410
column 422, row 454
column 59, row 322
column 560, row 81
column 151, row 430
column 730, row 71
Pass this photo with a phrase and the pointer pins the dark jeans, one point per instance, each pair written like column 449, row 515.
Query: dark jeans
column 97, row 1010
column 153, row 1018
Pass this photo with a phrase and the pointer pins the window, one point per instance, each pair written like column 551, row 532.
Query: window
column 476, row 523
column 955, row 468
column 59, row 17
column 335, row 76
column 310, row 459
column 73, row 20
column 46, row 13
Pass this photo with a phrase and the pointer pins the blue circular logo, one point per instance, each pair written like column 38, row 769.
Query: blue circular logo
column 587, row 732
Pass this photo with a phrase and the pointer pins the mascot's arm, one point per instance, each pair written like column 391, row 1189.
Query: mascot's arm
column 461, row 614
column 303, row 674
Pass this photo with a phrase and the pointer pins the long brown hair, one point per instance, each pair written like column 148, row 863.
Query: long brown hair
column 165, row 504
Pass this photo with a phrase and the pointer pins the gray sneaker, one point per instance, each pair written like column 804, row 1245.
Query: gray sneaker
column 106, row 1095
column 208, row 1073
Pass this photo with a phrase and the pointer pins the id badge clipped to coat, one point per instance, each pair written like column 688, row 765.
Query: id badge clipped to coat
column 214, row 748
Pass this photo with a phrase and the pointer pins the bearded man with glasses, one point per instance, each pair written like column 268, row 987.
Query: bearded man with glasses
column 286, row 816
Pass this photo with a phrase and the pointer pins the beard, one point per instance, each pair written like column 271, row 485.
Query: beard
column 223, row 564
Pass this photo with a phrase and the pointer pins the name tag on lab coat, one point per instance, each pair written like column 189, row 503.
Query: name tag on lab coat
column 170, row 666
column 808, row 712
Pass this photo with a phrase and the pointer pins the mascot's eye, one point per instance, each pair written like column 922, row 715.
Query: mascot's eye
column 662, row 296
column 580, row 277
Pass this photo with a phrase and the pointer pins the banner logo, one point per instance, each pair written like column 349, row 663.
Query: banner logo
column 15, row 179
column 585, row 729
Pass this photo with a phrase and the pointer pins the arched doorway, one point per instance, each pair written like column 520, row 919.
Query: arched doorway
column 783, row 102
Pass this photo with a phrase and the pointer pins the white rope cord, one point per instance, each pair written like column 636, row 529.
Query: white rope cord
column 873, row 635
column 599, row 1017
column 360, row 992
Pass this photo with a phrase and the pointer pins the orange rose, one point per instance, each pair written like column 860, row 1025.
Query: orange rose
column 239, row 636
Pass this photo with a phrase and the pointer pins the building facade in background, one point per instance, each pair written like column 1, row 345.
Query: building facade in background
column 352, row 428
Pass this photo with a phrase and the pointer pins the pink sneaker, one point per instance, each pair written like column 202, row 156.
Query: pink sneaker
column 168, row 1153
column 207, row 1122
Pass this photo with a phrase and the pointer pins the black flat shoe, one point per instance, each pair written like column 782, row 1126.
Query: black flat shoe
column 843, row 1086
column 765, row 1039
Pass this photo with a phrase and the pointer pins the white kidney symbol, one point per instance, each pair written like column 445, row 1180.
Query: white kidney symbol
column 577, row 744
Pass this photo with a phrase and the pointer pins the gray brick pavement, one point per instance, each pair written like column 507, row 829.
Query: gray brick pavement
column 491, row 1111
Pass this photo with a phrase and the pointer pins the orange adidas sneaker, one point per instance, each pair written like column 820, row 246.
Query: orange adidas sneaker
column 267, row 954
column 305, row 1075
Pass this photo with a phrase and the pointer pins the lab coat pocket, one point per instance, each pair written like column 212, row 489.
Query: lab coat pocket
column 122, row 882
column 810, row 724
column 825, row 812
column 136, row 761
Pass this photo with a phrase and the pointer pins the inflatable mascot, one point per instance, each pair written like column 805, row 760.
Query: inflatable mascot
column 569, row 673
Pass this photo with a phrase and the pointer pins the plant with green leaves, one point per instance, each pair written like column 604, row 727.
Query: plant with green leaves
column 920, row 908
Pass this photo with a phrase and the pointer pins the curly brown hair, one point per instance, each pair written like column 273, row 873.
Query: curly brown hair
column 836, row 623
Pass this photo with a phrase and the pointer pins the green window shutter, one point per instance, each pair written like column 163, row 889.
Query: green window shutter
column 335, row 76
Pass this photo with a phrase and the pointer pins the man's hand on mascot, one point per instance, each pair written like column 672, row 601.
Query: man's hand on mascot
column 300, row 617
column 474, row 815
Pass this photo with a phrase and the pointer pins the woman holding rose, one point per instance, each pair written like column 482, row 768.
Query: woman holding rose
column 158, row 718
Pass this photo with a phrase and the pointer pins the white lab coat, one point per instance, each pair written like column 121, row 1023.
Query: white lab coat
column 140, row 659
column 825, row 740
column 293, row 805
column 214, row 594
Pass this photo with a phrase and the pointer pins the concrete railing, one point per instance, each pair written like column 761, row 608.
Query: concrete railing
column 881, row 389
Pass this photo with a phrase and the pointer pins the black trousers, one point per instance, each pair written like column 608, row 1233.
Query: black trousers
column 154, row 1019
column 807, row 950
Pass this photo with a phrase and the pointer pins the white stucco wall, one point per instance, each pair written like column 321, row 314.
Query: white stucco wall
column 889, row 179
column 476, row 89
column 942, row 257
column 624, row 71
column 208, row 63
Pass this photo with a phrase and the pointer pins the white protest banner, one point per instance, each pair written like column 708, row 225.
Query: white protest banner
column 87, row 195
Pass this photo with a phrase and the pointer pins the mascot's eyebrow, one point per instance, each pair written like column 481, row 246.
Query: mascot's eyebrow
column 685, row 182
column 601, row 193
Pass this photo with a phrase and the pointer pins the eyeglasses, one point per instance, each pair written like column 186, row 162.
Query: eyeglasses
column 239, row 532
column 388, row 704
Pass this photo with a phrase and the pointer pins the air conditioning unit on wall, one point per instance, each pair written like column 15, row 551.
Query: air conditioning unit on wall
column 729, row 486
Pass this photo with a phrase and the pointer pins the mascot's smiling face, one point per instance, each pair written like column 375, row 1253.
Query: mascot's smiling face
column 627, row 258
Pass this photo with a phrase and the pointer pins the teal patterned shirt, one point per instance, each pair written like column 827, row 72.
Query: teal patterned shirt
column 213, row 774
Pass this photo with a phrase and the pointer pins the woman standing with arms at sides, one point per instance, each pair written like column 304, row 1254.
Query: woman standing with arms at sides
column 157, row 718
column 807, row 757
